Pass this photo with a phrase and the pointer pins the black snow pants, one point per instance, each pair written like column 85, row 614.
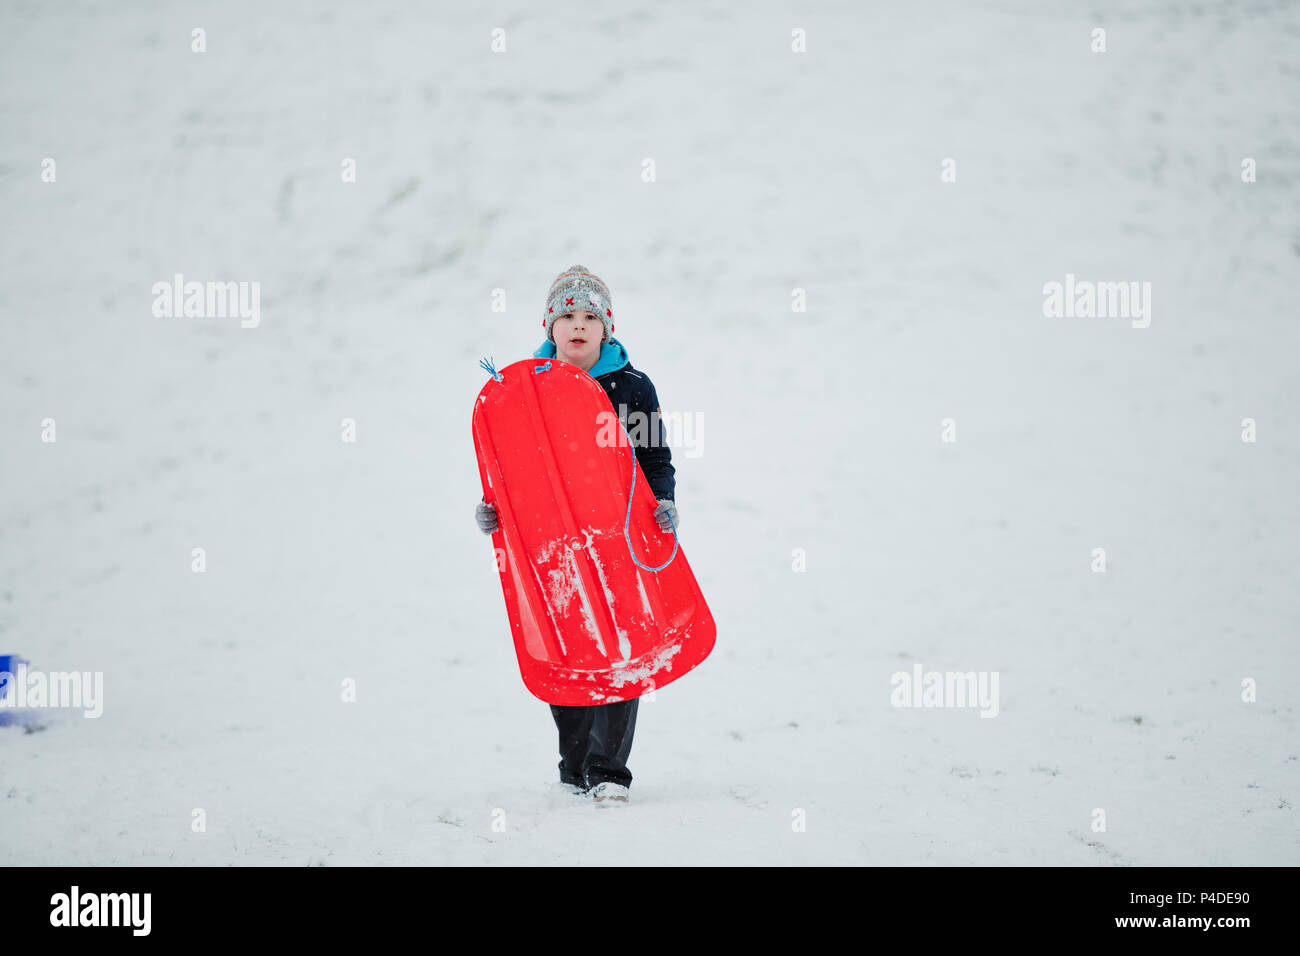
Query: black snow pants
column 595, row 742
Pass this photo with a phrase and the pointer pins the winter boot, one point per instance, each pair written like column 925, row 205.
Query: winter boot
column 609, row 794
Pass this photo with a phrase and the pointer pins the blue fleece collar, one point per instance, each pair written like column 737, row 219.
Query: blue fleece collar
column 612, row 356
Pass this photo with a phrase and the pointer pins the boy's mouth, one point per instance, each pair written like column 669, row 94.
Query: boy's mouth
column 577, row 341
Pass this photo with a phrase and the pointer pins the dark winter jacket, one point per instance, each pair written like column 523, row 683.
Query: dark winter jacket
column 632, row 391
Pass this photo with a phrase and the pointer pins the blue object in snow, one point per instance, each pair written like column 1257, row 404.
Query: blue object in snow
column 8, row 667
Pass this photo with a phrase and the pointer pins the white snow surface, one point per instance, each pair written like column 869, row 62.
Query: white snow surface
column 476, row 171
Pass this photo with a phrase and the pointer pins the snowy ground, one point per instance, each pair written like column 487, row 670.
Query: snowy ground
column 775, row 170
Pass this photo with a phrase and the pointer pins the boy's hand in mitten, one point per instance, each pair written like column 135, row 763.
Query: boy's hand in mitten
column 486, row 516
column 666, row 515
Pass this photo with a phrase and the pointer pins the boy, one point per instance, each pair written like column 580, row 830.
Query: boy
column 595, row 742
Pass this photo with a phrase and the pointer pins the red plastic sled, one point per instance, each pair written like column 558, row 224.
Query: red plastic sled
column 590, row 627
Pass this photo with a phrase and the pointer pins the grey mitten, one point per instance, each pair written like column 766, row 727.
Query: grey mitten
column 666, row 515
column 486, row 516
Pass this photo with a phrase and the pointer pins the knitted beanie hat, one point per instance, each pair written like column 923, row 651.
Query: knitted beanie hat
column 576, row 288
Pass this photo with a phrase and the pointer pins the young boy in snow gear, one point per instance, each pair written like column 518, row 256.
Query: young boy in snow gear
column 595, row 742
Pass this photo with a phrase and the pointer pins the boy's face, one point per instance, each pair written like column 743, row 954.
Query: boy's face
column 577, row 337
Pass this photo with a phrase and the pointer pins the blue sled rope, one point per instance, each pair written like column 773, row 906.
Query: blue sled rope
column 627, row 519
